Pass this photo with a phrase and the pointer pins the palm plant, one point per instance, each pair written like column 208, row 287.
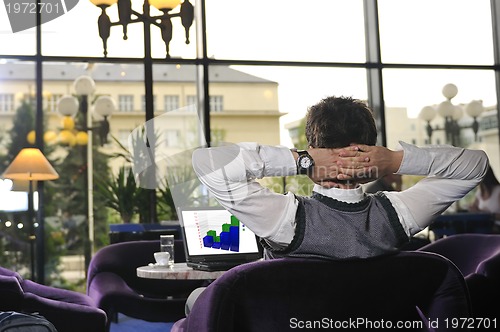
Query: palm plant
column 119, row 193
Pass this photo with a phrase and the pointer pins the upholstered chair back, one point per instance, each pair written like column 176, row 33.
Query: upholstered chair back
column 285, row 294
column 477, row 256
column 67, row 310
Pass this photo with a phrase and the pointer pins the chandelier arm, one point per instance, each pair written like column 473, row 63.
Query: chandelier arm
column 104, row 26
column 124, row 13
column 166, row 33
column 187, row 17
column 156, row 24
column 173, row 15
column 139, row 16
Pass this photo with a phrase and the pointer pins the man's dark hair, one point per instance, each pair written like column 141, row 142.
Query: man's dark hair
column 336, row 122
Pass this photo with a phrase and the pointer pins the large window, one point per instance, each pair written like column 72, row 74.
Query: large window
column 436, row 32
column 286, row 30
column 264, row 64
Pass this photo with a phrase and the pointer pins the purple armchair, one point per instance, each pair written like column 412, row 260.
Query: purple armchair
column 477, row 256
column 289, row 293
column 69, row 311
column 113, row 283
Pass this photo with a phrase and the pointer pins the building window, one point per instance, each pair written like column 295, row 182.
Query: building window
column 51, row 102
column 6, row 102
column 143, row 103
column 172, row 137
column 125, row 103
column 191, row 103
column 216, row 103
column 171, row 103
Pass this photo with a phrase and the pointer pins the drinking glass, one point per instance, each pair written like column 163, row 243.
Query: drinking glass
column 167, row 245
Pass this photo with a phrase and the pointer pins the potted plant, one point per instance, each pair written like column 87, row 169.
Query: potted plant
column 119, row 193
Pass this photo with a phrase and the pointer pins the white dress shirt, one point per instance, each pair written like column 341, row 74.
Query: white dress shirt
column 230, row 173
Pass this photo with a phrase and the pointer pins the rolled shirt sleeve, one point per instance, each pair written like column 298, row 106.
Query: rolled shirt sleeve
column 450, row 172
column 230, row 172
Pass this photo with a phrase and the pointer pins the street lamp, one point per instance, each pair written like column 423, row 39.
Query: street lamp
column 163, row 21
column 104, row 106
column 452, row 114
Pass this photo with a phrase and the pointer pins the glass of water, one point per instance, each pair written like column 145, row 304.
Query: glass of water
column 167, row 245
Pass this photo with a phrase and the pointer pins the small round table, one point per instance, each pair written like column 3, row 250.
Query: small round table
column 178, row 271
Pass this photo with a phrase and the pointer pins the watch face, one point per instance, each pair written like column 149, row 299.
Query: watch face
column 305, row 162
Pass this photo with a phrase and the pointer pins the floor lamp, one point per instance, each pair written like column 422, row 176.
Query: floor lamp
column 31, row 165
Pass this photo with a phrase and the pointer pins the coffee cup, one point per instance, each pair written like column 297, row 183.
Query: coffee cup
column 162, row 258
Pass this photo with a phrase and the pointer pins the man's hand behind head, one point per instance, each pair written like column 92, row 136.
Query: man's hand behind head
column 378, row 161
column 328, row 163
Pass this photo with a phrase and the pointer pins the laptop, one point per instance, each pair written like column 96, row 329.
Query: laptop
column 215, row 240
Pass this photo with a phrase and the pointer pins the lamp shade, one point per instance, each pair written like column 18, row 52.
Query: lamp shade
column 68, row 122
column 103, row 2
column 30, row 164
column 164, row 4
column 84, row 85
column 104, row 106
column 449, row 91
column 31, row 137
column 81, row 138
column 446, row 108
column 67, row 137
column 474, row 108
column 68, row 105
column 427, row 113
column 49, row 137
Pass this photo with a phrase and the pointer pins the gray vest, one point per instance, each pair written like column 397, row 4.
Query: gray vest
column 328, row 228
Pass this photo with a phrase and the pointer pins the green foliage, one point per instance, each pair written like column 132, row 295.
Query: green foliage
column 166, row 206
column 14, row 243
column 24, row 122
column 71, row 183
column 140, row 204
column 120, row 193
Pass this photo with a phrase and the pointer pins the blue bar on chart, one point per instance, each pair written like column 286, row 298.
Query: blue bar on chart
column 228, row 238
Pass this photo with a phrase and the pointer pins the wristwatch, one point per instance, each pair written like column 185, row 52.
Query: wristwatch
column 305, row 162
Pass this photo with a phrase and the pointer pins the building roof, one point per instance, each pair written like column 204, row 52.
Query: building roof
column 16, row 70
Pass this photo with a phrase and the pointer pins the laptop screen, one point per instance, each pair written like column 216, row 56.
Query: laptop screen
column 214, row 232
